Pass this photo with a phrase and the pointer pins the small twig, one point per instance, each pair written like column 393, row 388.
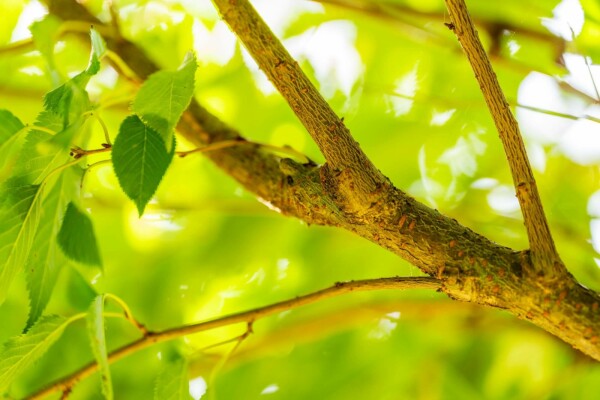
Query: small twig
column 89, row 167
column 127, row 312
column 223, row 360
column 223, row 343
column 559, row 114
column 589, row 69
column 104, row 129
column 232, row 143
column 544, row 256
column 433, row 100
column 77, row 152
column 248, row 317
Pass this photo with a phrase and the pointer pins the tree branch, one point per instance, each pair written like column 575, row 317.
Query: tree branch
column 545, row 258
column 472, row 267
column 348, row 170
column 404, row 12
column 152, row 338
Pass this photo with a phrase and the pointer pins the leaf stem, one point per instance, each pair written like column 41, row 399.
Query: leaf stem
column 77, row 152
column 104, row 128
column 127, row 312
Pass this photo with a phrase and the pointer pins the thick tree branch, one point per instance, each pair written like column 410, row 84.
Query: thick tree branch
column 348, row 170
column 152, row 338
column 545, row 258
column 471, row 267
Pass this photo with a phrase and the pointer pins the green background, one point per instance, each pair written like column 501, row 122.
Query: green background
column 205, row 247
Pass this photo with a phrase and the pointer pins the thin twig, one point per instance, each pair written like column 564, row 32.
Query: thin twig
column 78, row 152
column 231, row 143
column 589, row 69
column 127, row 312
column 223, row 360
column 396, row 283
column 104, row 129
column 544, row 257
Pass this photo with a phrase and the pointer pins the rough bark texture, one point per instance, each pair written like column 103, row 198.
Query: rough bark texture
column 471, row 267
column 544, row 257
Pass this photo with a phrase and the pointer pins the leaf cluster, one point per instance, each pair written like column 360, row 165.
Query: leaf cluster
column 44, row 225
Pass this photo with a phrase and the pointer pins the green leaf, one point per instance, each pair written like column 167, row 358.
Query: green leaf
column 9, row 125
column 80, row 290
column 71, row 100
column 50, row 120
column 164, row 97
column 19, row 217
column 45, row 260
column 38, row 157
column 21, row 351
column 11, row 140
column 95, row 326
column 140, row 160
column 76, row 237
column 173, row 382
column 98, row 51
column 62, row 140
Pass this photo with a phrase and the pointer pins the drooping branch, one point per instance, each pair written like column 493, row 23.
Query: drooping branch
column 545, row 258
column 152, row 338
column 471, row 267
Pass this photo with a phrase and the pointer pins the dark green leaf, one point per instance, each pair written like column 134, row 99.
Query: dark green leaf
column 97, row 335
column 76, row 237
column 165, row 96
column 80, row 292
column 140, row 160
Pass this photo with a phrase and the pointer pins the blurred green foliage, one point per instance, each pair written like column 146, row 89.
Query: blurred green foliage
column 205, row 247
